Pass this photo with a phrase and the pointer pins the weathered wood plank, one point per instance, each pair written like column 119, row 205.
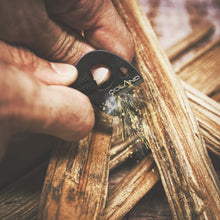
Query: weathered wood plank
column 187, row 174
column 202, row 71
column 77, row 179
column 139, row 181
column 190, row 40
column 207, row 113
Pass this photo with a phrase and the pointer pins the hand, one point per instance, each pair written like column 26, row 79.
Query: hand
column 34, row 96
column 52, row 28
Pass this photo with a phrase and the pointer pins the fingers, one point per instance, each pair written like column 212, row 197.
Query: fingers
column 31, row 105
column 47, row 72
column 103, row 27
column 33, row 29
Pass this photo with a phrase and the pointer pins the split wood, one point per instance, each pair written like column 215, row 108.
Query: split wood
column 77, row 179
column 200, row 71
column 193, row 38
column 175, row 141
column 206, row 110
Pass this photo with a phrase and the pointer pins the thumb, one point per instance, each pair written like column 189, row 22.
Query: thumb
column 30, row 105
column 47, row 72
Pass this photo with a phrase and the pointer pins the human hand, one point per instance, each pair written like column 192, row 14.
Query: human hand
column 33, row 96
column 52, row 28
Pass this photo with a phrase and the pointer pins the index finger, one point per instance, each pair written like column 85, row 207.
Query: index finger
column 103, row 27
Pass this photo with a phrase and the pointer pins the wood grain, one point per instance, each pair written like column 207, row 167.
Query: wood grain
column 187, row 174
column 207, row 113
column 131, row 189
column 189, row 41
column 200, row 71
column 77, row 179
column 20, row 199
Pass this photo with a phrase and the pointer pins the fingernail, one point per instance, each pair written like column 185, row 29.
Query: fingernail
column 65, row 70
column 100, row 74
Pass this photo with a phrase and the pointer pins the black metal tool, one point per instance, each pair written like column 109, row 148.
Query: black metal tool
column 123, row 77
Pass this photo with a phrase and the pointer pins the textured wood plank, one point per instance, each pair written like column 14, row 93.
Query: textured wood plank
column 129, row 191
column 190, row 40
column 202, row 71
column 207, row 113
column 143, row 217
column 173, row 134
column 20, row 199
column 77, row 179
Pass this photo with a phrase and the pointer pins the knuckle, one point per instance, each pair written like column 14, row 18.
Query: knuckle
column 86, row 119
column 83, row 120
column 62, row 50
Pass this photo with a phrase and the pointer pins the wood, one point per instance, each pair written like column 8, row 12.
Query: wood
column 172, row 136
column 27, row 206
column 77, row 179
column 157, row 210
column 119, row 203
column 203, row 68
column 120, row 156
column 207, row 113
column 139, row 181
column 190, row 40
column 20, row 199
column 132, row 197
column 117, row 148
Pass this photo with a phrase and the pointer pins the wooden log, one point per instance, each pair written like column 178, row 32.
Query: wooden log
column 187, row 174
column 200, row 71
column 190, row 40
column 77, row 179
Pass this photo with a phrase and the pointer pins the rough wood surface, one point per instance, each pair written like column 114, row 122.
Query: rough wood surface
column 207, row 113
column 130, row 190
column 77, row 179
column 20, row 199
column 187, row 174
column 15, row 203
column 191, row 39
column 200, row 71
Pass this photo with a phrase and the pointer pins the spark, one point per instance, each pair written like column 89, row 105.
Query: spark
column 129, row 107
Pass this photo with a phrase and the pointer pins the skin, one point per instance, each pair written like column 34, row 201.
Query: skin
column 38, row 41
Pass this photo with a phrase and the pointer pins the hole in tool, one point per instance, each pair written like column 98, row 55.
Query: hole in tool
column 101, row 75
column 124, row 70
